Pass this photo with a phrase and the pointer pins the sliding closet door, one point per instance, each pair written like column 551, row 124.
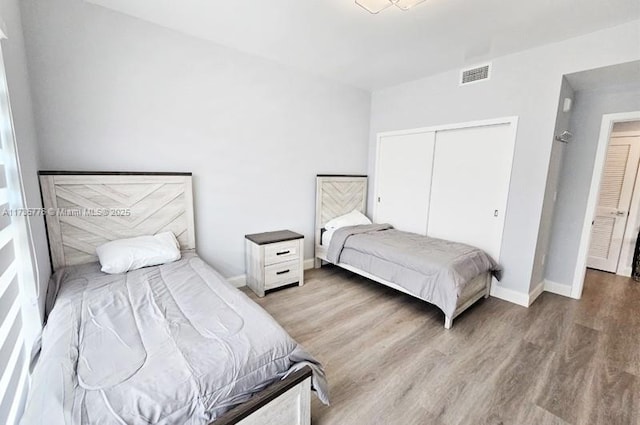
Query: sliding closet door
column 403, row 181
column 471, row 174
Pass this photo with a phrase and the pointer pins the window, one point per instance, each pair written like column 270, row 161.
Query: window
column 16, row 273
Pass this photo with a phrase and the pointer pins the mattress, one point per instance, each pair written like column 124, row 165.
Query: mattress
column 168, row 344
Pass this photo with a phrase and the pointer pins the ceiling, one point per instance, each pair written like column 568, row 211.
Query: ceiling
column 339, row 40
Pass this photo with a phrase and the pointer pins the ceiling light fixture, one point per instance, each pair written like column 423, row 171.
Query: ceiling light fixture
column 376, row 6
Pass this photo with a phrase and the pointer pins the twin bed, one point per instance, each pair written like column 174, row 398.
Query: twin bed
column 167, row 344
column 451, row 275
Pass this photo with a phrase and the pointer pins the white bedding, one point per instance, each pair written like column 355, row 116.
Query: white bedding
column 326, row 237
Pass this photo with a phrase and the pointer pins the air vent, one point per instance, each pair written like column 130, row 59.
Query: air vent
column 474, row 75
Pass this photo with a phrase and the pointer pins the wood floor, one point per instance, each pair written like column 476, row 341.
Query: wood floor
column 390, row 361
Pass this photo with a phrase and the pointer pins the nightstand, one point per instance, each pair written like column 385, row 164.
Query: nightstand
column 274, row 259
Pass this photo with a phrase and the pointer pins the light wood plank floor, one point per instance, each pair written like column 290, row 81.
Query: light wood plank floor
column 390, row 361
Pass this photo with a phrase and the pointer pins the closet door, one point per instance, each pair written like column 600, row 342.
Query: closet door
column 470, row 185
column 403, row 181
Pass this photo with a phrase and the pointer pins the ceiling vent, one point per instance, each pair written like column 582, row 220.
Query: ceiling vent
column 476, row 74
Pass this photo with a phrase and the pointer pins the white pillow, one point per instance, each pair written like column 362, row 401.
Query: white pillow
column 122, row 255
column 354, row 218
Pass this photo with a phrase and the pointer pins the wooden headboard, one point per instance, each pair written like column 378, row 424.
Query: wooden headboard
column 86, row 209
column 337, row 195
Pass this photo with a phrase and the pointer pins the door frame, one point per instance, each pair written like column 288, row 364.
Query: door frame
column 510, row 120
column 608, row 120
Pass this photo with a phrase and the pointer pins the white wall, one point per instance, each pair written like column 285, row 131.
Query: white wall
column 576, row 173
column 115, row 93
column 553, row 177
column 526, row 84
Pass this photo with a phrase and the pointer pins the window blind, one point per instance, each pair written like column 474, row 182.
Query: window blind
column 13, row 351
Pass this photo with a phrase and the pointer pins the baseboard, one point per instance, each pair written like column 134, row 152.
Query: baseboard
column 240, row 281
column 557, row 288
column 309, row 263
column 535, row 292
column 510, row 295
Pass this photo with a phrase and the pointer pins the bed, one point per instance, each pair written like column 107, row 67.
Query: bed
column 451, row 275
column 174, row 343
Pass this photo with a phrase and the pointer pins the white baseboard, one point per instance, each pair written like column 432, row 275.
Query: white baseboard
column 526, row 300
column 240, row 281
column 557, row 288
column 535, row 292
column 510, row 295
column 516, row 297
column 309, row 263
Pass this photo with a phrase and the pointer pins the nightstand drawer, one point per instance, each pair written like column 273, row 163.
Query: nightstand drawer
column 280, row 252
column 281, row 274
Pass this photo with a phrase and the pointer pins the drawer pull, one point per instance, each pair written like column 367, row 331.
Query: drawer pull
column 283, row 252
column 283, row 271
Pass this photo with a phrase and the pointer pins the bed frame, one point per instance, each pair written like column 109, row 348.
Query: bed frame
column 340, row 194
column 87, row 209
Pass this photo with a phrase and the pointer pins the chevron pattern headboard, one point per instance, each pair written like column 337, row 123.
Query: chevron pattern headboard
column 337, row 195
column 85, row 210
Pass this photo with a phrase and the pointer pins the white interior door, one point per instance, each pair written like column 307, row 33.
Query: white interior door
column 612, row 211
column 470, row 185
column 403, row 181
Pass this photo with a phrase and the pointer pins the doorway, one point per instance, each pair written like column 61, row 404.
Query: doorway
column 609, row 121
column 614, row 228
column 591, row 104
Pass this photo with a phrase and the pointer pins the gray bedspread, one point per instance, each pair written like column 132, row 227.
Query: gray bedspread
column 434, row 270
column 172, row 344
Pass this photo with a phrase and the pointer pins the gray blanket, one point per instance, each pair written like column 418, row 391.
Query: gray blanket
column 173, row 344
column 435, row 270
